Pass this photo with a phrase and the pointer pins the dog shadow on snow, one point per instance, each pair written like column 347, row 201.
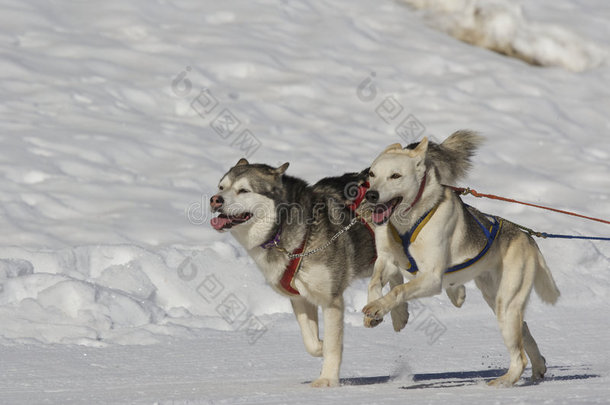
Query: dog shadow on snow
column 462, row 378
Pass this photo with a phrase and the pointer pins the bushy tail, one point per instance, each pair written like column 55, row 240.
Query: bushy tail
column 452, row 157
column 543, row 282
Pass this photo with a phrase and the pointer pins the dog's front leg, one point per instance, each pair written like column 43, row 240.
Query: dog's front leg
column 333, row 344
column 307, row 317
column 457, row 295
column 385, row 270
column 424, row 285
column 375, row 289
column 400, row 313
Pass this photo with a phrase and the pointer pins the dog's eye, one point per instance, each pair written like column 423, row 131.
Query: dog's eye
column 371, row 174
column 221, row 188
column 243, row 190
column 395, row 176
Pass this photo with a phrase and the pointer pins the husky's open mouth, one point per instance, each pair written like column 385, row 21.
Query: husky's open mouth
column 383, row 212
column 224, row 221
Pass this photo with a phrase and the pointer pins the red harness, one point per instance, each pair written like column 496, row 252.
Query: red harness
column 291, row 269
column 353, row 206
column 359, row 196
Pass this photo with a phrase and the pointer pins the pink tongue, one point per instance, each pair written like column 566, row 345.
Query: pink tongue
column 380, row 216
column 219, row 223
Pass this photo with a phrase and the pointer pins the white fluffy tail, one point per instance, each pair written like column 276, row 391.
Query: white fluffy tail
column 543, row 282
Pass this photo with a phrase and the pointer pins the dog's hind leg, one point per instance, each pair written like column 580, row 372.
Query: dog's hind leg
column 531, row 348
column 399, row 314
column 307, row 317
column 488, row 287
column 517, row 278
column 333, row 344
column 488, row 284
column 510, row 320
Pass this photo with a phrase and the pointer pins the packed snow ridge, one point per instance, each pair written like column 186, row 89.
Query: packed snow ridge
column 501, row 26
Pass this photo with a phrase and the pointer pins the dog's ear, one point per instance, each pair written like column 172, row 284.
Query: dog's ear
column 392, row 147
column 363, row 175
column 421, row 149
column 242, row 162
column 280, row 170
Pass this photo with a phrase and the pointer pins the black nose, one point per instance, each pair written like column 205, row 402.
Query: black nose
column 216, row 201
column 372, row 196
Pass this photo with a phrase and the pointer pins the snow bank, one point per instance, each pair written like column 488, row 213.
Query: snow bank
column 124, row 294
column 500, row 25
column 128, row 295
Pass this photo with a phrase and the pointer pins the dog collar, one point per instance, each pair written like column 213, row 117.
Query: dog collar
column 420, row 192
column 273, row 241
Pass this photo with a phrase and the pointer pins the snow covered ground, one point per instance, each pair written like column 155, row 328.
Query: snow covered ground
column 118, row 118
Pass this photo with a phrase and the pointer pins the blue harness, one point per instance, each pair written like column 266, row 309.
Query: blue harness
column 409, row 237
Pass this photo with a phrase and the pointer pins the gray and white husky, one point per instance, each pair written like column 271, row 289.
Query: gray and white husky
column 273, row 215
column 445, row 243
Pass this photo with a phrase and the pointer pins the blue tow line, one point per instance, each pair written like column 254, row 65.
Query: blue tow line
column 547, row 235
column 559, row 236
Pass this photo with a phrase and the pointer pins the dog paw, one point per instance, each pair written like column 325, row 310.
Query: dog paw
column 457, row 295
column 400, row 317
column 371, row 322
column 375, row 310
column 325, row 382
column 538, row 370
column 501, row 382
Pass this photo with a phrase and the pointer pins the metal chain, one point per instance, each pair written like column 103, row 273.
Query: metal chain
column 326, row 245
column 525, row 229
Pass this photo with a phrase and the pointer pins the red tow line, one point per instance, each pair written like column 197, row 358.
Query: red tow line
column 464, row 191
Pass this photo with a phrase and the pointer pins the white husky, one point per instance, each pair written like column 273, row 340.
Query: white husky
column 446, row 243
